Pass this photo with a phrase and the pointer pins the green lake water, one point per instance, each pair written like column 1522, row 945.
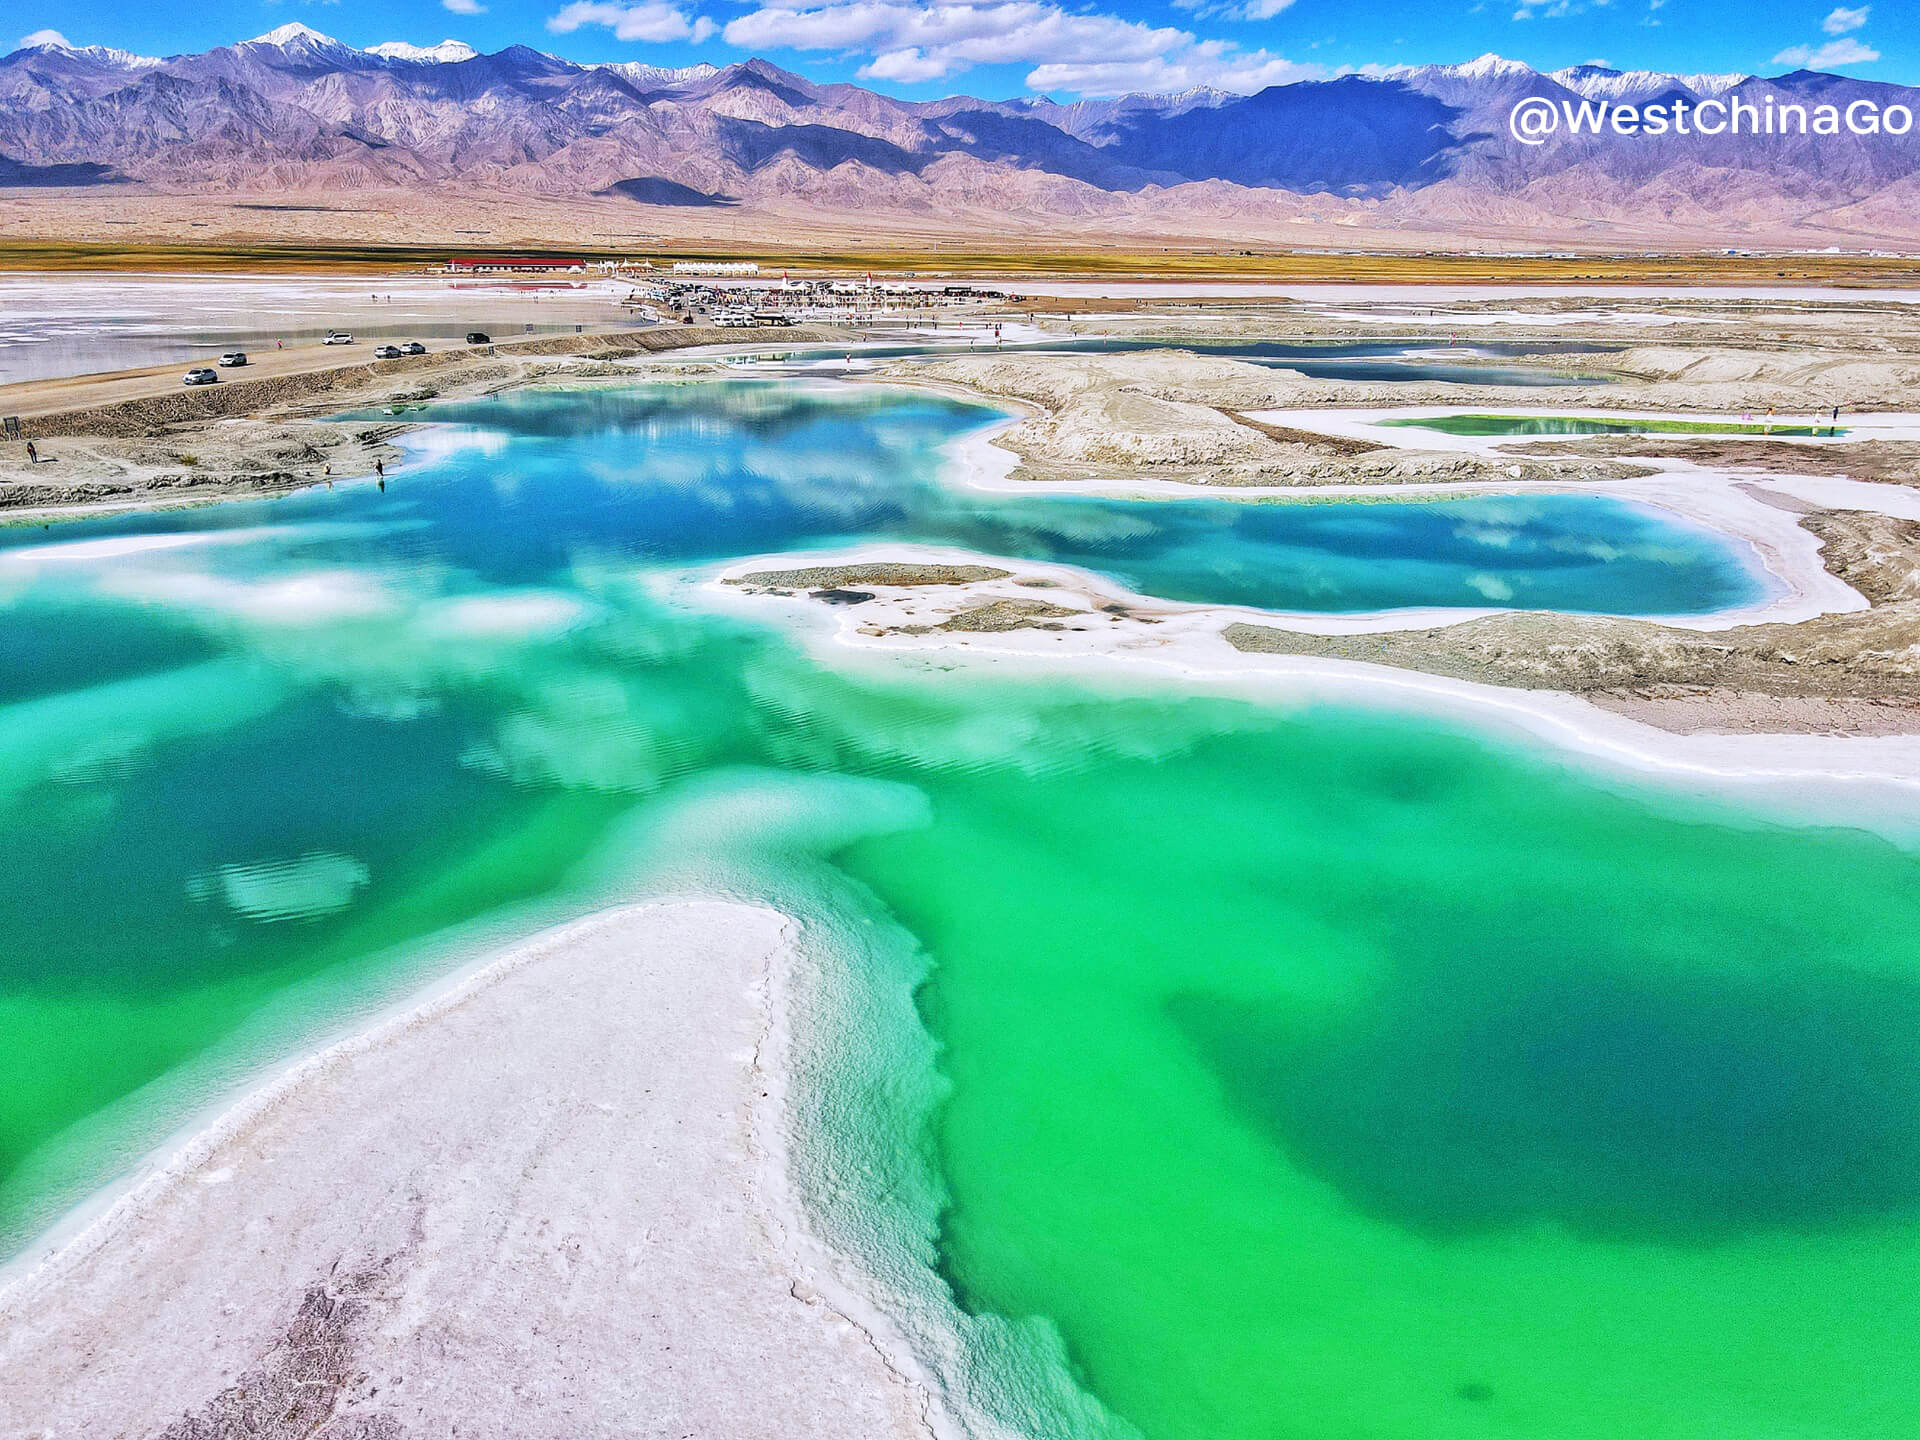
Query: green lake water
column 1591, row 425
column 1212, row 1068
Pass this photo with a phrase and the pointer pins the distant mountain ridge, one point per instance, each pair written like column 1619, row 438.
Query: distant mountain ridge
column 1411, row 148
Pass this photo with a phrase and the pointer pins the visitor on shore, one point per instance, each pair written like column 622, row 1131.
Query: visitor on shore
column 33, row 453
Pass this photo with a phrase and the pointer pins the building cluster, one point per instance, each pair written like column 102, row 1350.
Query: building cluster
column 735, row 293
column 785, row 301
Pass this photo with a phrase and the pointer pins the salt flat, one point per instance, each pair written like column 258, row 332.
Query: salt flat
column 535, row 1207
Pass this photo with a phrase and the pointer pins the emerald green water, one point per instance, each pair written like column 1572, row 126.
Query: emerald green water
column 1208, row 1067
column 1358, row 1081
column 1587, row 425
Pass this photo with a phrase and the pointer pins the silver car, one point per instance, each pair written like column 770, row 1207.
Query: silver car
column 201, row 376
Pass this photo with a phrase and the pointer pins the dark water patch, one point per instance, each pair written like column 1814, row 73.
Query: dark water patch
column 37, row 656
column 1477, row 1091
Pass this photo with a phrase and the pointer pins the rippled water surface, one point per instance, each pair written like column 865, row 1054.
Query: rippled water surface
column 1248, row 1070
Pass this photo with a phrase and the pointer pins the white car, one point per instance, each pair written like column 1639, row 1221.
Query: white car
column 413, row 347
column 386, row 352
column 233, row 358
column 201, row 376
column 338, row 337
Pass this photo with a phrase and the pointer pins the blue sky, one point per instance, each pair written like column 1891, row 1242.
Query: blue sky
column 1064, row 48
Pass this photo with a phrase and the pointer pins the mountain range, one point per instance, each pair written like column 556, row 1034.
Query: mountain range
column 1413, row 152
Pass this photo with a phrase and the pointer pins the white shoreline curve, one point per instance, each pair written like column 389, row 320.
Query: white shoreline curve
column 1186, row 645
column 488, row 1172
column 1720, row 504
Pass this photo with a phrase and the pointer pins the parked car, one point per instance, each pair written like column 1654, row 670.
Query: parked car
column 201, row 376
column 479, row 337
column 338, row 337
column 234, row 358
column 386, row 352
column 413, row 347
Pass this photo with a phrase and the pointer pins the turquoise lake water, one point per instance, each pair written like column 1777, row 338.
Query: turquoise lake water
column 1209, row 1068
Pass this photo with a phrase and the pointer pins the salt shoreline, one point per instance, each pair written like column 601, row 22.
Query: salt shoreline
column 1185, row 641
column 1724, row 506
column 551, row 1195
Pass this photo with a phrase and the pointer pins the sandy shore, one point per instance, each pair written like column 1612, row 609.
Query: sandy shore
column 544, row 1204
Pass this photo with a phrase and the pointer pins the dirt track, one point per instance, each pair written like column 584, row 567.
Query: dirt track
column 139, row 402
column 160, row 443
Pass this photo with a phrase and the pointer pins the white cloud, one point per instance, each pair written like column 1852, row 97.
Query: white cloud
column 1242, row 74
column 1556, row 9
column 1239, row 10
column 1844, row 21
column 1828, row 56
column 653, row 21
column 45, row 37
column 464, row 7
column 1081, row 51
column 909, row 66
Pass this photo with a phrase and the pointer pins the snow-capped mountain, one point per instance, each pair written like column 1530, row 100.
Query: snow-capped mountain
column 1632, row 87
column 656, row 76
column 1408, row 147
column 105, row 54
column 301, row 41
column 447, row 52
